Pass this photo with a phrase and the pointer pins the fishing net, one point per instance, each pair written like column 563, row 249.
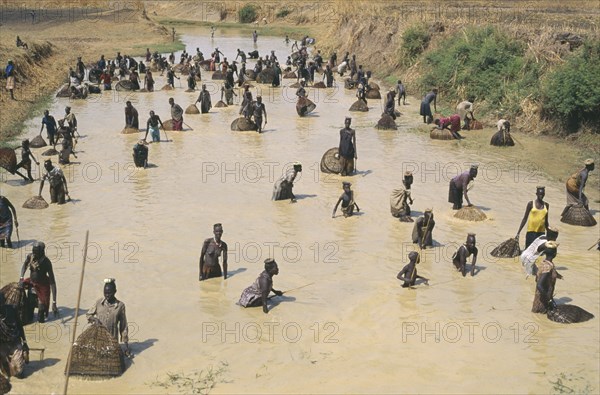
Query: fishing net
column 50, row 152
column 15, row 295
column 124, row 85
column 128, row 130
column 242, row 125
column 192, row 109
column 35, row 203
column 373, row 85
column 168, row 124
column 386, row 122
column 373, row 94
column 359, row 105
column 37, row 142
column 64, row 91
column 577, row 215
column 475, row 125
column 8, row 160
column 502, row 139
column 266, row 76
column 220, row 104
column 443, row 134
column 330, row 162
column 320, row 85
column 470, row 214
column 96, row 353
column 5, row 386
column 290, row 74
column 304, row 106
column 167, row 88
column 569, row 314
column 507, row 249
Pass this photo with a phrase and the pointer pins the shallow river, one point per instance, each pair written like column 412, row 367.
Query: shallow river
column 355, row 329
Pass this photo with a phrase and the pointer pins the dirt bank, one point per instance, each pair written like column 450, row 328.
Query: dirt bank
column 55, row 40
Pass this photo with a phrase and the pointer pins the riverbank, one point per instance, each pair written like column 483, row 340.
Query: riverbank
column 55, row 43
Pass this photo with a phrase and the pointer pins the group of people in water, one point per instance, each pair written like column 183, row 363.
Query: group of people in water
column 540, row 237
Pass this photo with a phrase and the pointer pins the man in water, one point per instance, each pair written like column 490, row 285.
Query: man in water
column 241, row 55
column 400, row 198
column 176, row 114
column 408, row 274
column 282, row 189
column 227, row 89
column 452, row 123
column 390, row 104
column 50, row 124
column 347, row 148
column 465, row 111
column 171, row 77
column 459, row 187
column 71, row 121
column 536, row 217
column 152, row 127
column 212, row 249
column 57, row 181
column 401, row 91
column 7, row 214
column 546, row 281
column 425, row 110
column 131, row 116
column 204, row 99
column 576, row 184
column 530, row 255
column 110, row 312
column 258, row 110
column 25, row 163
column 140, row 154
column 422, row 233
column 41, row 278
column 459, row 259
column 347, row 200
column 14, row 351
column 328, row 76
column 149, row 81
column 258, row 293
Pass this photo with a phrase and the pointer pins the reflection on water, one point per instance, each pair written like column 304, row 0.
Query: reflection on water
column 355, row 329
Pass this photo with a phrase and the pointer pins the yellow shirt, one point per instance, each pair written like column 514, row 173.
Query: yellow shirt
column 537, row 219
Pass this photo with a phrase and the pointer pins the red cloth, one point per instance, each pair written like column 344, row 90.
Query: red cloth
column 453, row 121
column 42, row 289
column 178, row 125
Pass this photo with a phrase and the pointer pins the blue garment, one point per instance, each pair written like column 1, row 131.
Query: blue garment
column 9, row 70
column 50, row 123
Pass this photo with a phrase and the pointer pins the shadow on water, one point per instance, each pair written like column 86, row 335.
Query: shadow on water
column 300, row 197
column 21, row 243
column 34, row 366
column 68, row 313
column 563, row 300
column 273, row 302
column 236, row 271
column 137, row 348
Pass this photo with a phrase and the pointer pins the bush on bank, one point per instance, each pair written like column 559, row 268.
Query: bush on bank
column 247, row 14
column 415, row 40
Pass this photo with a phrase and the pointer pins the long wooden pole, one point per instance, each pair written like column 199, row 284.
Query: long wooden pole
column 87, row 233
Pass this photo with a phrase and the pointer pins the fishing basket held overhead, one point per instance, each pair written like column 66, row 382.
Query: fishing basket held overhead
column 578, row 215
column 330, row 162
column 96, row 353
column 386, row 122
column 507, row 249
column 569, row 314
column 35, row 203
column 304, row 106
column 359, row 105
column 15, row 295
column 192, row 109
column 470, row 214
column 37, row 142
column 8, row 160
column 243, row 125
column 443, row 134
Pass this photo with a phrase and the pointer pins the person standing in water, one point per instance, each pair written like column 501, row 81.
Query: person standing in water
column 282, row 189
column 7, row 215
column 536, row 217
column 576, row 184
column 347, row 148
column 152, row 127
column 212, row 249
column 459, row 187
column 408, row 274
column 422, row 233
column 546, row 281
column 459, row 259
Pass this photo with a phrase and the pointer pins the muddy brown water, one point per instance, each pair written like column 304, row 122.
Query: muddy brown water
column 355, row 329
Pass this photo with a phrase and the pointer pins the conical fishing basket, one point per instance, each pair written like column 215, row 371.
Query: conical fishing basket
column 359, row 105
column 475, row 125
column 15, row 295
column 243, row 125
column 373, row 94
column 35, row 203
column 579, row 216
column 5, row 386
column 373, row 85
column 124, row 85
column 507, row 249
column 167, row 87
column 8, row 160
column 192, row 109
column 502, row 139
column 386, row 122
column 470, row 214
column 128, row 130
column 96, row 353
column 220, row 104
column 37, row 142
column 304, row 106
column 320, row 85
column 290, row 74
column 64, row 91
column 168, row 124
column 266, row 76
column 569, row 314
column 329, row 162
column 50, row 152
column 443, row 134
column 217, row 75
column 295, row 85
